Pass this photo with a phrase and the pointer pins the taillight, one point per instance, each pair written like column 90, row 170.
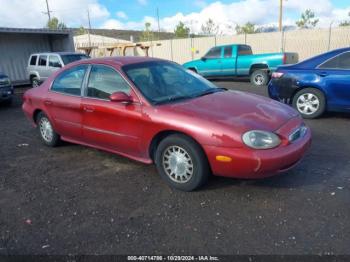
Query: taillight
column 284, row 58
column 277, row 74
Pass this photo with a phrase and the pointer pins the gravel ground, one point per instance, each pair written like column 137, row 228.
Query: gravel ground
column 77, row 200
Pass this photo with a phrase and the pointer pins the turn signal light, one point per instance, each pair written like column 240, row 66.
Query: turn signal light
column 277, row 74
column 223, row 158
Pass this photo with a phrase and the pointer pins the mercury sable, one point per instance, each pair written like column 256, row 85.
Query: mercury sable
column 155, row 111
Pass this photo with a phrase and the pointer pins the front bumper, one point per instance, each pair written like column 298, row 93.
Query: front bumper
column 252, row 164
column 6, row 93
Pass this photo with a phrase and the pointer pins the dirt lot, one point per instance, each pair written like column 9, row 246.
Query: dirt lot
column 77, row 200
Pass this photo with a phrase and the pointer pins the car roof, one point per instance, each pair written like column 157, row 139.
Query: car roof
column 314, row 61
column 118, row 60
column 57, row 53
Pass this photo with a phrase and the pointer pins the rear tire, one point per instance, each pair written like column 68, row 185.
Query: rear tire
column 181, row 163
column 259, row 77
column 310, row 103
column 47, row 134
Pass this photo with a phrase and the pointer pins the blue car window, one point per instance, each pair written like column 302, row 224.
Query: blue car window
column 341, row 61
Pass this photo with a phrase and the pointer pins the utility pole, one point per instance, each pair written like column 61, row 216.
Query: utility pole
column 281, row 15
column 158, row 24
column 88, row 14
column 48, row 10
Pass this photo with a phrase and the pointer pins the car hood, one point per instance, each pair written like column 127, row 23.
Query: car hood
column 234, row 109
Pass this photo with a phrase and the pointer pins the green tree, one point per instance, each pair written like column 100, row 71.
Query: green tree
column 181, row 30
column 81, row 31
column 247, row 28
column 346, row 22
column 307, row 20
column 209, row 28
column 54, row 23
column 147, row 34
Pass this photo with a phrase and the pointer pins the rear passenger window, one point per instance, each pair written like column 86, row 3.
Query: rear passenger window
column 70, row 81
column 228, row 51
column 33, row 60
column 339, row 62
column 42, row 60
column 104, row 81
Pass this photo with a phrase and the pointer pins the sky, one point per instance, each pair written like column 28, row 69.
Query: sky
column 132, row 14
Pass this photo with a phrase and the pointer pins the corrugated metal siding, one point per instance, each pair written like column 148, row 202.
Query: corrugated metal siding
column 15, row 50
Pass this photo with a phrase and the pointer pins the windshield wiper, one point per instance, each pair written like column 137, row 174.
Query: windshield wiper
column 211, row 91
column 171, row 99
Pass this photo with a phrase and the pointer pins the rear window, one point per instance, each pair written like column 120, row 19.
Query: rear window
column 244, row 50
column 42, row 60
column 72, row 58
column 33, row 60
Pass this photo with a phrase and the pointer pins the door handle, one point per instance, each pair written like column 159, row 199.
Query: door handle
column 89, row 109
column 323, row 74
column 48, row 102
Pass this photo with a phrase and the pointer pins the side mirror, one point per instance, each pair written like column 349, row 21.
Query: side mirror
column 120, row 97
column 203, row 58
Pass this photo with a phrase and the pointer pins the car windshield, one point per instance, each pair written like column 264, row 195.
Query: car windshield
column 165, row 82
column 72, row 58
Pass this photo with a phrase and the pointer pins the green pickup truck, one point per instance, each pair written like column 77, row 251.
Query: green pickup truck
column 239, row 60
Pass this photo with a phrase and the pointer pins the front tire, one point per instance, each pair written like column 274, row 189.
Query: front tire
column 259, row 77
column 181, row 163
column 310, row 103
column 35, row 82
column 47, row 134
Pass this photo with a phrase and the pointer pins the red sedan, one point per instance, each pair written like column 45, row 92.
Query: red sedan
column 153, row 110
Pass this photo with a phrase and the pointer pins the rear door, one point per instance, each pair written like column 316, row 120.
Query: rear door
column 63, row 102
column 211, row 63
column 110, row 125
column 335, row 75
column 243, row 60
column 42, row 67
column 228, row 62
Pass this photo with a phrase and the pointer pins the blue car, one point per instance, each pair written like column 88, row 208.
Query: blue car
column 315, row 85
column 6, row 89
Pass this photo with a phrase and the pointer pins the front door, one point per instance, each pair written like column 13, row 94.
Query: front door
column 210, row 64
column 106, row 124
column 63, row 102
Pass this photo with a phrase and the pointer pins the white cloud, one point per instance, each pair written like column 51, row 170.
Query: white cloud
column 260, row 12
column 142, row 2
column 29, row 13
column 122, row 15
column 73, row 13
column 112, row 24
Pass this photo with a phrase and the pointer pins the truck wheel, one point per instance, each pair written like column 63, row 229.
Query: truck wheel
column 182, row 163
column 259, row 77
column 310, row 103
column 35, row 81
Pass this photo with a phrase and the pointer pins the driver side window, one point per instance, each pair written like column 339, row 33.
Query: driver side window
column 214, row 53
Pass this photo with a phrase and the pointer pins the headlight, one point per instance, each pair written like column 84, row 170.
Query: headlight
column 259, row 139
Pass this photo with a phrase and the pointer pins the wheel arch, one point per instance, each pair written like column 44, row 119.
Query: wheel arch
column 258, row 66
column 157, row 138
column 35, row 114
